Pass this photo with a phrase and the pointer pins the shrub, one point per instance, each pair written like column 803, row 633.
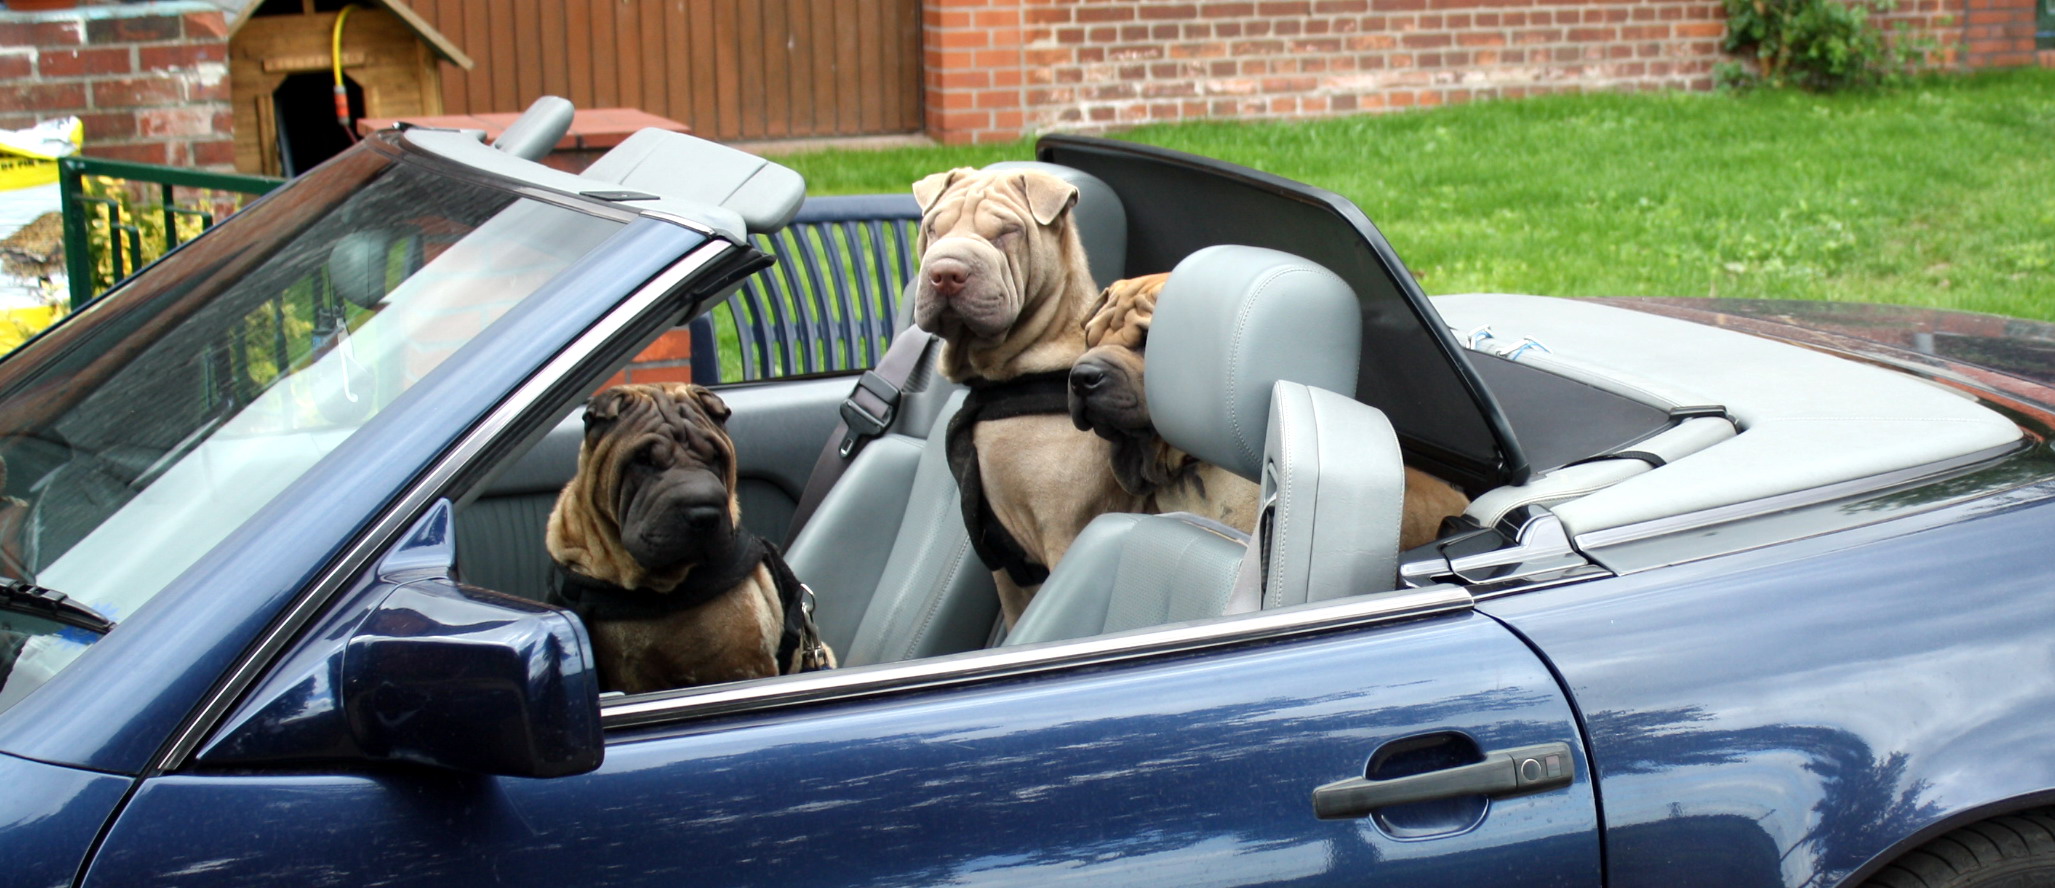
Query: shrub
column 1817, row 44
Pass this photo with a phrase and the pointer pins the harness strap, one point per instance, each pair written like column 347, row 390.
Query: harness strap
column 593, row 599
column 799, row 642
column 1030, row 395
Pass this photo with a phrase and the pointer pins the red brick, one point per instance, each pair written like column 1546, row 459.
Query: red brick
column 959, row 40
column 674, row 345
column 82, row 62
column 1089, row 14
column 130, row 92
column 109, row 125
column 41, row 34
column 42, row 97
column 1176, row 11
column 207, row 88
column 136, row 29
column 184, row 55
column 961, row 79
column 17, row 65
column 145, row 152
column 949, row 120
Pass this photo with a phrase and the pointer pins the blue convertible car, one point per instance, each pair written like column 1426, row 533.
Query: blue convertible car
column 1749, row 594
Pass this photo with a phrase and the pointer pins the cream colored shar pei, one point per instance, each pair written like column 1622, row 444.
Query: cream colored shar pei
column 1003, row 283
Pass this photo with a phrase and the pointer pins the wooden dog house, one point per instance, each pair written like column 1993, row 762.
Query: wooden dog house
column 282, row 82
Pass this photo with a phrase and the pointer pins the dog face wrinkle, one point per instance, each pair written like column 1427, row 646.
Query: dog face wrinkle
column 1000, row 264
column 970, row 268
column 663, row 471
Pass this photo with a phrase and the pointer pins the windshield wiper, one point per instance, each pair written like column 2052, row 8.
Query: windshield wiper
column 50, row 604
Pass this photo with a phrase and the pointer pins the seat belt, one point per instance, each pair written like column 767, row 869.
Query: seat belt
column 866, row 414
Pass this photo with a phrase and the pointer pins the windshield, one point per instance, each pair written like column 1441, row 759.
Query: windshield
column 154, row 423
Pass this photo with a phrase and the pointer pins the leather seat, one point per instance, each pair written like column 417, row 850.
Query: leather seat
column 886, row 553
column 1253, row 356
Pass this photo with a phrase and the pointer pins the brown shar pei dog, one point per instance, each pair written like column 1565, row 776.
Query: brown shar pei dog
column 1003, row 282
column 1108, row 399
column 651, row 554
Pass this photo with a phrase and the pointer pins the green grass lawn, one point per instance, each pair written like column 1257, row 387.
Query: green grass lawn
column 1939, row 194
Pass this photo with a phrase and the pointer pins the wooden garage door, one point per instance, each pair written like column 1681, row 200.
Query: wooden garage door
column 730, row 69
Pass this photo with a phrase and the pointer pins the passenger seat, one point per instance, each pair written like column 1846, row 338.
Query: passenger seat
column 886, row 552
column 1253, row 356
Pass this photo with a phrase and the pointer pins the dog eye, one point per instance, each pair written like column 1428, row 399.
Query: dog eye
column 647, row 458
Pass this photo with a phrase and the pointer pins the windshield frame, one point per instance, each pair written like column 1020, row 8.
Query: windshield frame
column 113, row 706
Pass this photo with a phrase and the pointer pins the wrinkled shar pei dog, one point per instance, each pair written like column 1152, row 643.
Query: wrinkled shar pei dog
column 1004, row 284
column 651, row 553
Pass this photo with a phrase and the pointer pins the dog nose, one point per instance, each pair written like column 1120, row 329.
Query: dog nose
column 947, row 277
column 1086, row 377
column 703, row 518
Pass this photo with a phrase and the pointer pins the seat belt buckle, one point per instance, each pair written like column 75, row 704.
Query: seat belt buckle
column 862, row 423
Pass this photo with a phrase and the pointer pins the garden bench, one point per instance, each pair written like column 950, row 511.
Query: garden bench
column 830, row 303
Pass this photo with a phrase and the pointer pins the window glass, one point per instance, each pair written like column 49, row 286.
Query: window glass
column 153, row 424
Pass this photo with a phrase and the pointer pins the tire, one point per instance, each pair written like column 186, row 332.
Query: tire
column 2013, row 851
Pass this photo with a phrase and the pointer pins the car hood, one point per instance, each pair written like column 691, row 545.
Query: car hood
column 1997, row 354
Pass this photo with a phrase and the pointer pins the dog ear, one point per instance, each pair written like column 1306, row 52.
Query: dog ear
column 1097, row 319
column 926, row 190
column 603, row 409
column 1047, row 196
column 712, row 404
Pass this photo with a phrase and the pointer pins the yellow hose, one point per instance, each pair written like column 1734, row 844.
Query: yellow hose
column 342, row 94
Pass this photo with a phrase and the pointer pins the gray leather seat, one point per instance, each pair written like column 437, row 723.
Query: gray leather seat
column 1252, row 356
column 1334, row 487
column 886, row 554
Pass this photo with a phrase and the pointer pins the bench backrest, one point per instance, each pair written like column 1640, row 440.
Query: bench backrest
column 829, row 304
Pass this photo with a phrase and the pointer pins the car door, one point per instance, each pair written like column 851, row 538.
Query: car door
column 1182, row 755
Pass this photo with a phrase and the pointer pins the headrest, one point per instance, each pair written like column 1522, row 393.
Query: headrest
column 1334, row 485
column 1231, row 322
column 1101, row 217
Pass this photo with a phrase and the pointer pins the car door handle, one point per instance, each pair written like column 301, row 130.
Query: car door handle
column 1503, row 772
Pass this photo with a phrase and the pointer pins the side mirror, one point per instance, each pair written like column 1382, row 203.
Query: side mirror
column 429, row 671
column 463, row 678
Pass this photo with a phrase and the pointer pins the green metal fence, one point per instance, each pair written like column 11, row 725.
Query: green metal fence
column 120, row 216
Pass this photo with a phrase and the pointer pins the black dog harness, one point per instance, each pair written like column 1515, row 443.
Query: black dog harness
column 594, row 599
column 1030, row 395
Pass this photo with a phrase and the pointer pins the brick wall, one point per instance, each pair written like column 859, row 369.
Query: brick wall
column 1999, row 34
column 149, row 80
column 998, row 68
column 668, row 359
